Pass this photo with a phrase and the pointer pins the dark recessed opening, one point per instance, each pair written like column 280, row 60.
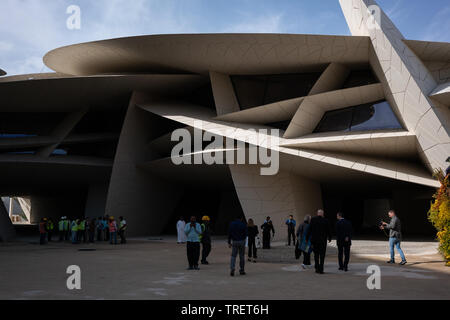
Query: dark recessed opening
column 256, row 90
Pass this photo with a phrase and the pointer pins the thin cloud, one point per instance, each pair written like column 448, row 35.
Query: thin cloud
column 30, row 28
column 436, row 30
column 264, row 24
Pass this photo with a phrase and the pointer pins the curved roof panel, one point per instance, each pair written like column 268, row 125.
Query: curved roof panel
column 199, row 53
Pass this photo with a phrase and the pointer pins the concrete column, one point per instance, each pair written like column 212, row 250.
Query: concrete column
column 145, row 200
column 224, row 95
column 277, row 196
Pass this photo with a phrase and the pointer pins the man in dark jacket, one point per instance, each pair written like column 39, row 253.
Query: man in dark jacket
column 291, row 229
column 343, row 240
column 237, row 233
column 318, row 233
column 303, row 245
column 395, row 236
column 266, row 227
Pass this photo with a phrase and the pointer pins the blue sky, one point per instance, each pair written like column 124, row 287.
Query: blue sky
column 30, row 28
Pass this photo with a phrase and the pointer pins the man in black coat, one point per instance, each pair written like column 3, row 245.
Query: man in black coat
column 266, row 227
column 344, row 233
column 319, row 232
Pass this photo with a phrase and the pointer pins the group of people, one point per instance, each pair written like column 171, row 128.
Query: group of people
column 311, row 236
column 194, row 234
column 84, row 230
column 314, row 232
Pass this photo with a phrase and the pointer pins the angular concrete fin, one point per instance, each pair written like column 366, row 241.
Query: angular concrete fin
column 223, row 91
column 332, row 78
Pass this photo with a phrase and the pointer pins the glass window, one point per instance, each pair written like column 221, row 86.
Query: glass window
column 336, row 120
column 358, row 78
column 375, row 117
column 371, row 116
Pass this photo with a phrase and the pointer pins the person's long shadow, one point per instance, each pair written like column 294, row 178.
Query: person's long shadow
column 425, row 262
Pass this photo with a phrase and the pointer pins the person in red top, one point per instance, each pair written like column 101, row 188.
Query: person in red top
column 43, row 230
column 112, row 230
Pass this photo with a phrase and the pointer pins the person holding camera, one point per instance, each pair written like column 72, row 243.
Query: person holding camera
column 193, row 231
column 395, row 236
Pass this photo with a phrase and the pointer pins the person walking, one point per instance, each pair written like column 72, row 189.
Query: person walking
column 181, row 235
column 193, row 230
column 43, row 231
column 122, row 228
column 81, row 229
column 318, row 233
column 290, row 222
column 92, row 226
column 67, row 230
column 100, row 236
column 87, row 223
column 112, row 230
column 106, row 227
column 344, row 233
column 304, row 245
column 395, row 236
column 266, row 227
column 205, row 238
column 252, row 232
column 74, row 230
column 61, row 230
column 237, row 232
column 50, row 228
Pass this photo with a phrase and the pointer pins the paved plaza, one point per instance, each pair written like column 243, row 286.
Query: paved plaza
column 156, row 269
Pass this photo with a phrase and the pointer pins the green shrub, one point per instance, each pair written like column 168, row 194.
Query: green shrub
column 439, row 214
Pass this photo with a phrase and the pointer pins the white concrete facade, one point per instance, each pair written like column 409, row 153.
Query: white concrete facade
column 230, row 85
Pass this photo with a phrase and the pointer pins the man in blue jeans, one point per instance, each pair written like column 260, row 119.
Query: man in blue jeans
column 237, row 233
column 395, row 236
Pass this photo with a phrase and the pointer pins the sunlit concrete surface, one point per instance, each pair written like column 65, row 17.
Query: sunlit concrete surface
column 156, row 269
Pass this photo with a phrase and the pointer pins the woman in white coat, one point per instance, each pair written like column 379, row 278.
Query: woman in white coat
column 180, row 231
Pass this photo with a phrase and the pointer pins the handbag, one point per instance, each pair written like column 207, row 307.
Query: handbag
column 258, row 242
